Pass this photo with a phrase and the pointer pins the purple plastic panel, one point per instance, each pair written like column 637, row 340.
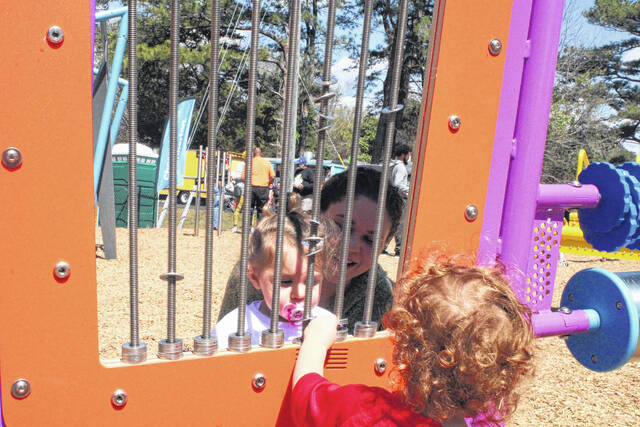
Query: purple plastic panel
column 544, row 252
column 553, row 323
column 519, row 218
column 568, row 196
column 516, row 51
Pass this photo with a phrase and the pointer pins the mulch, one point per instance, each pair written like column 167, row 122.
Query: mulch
column 562, row 393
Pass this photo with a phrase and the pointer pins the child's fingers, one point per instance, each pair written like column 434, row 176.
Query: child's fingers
column 322, row 330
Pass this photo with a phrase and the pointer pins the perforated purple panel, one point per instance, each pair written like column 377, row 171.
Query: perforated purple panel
column 544, row 251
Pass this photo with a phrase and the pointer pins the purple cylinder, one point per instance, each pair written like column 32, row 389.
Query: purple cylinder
column 568, row 196
column 530, row 135
column 554, row 323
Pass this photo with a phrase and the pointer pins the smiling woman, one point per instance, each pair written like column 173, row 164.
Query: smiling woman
column 333, row 202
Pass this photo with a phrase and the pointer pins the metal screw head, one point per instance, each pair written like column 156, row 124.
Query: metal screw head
column 454, row 122
column 11, row 157
column 619, row 305
column 495, row 47
column 259, row 381
column 119, row 398
column 21, row 388
column 572, row 297
column 55, row 35
column 565, row 310
column 594, row 358
column 62, row 270
column 380, row 366
column 471, row 212
column 576, row 183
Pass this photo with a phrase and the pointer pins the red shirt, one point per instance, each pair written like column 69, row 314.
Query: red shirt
column 317, row 402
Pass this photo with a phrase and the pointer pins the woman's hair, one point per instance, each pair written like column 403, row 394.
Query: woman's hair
column 297, row 230
column 462, row 341
column 367, row 184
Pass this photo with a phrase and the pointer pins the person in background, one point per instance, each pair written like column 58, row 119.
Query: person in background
column 462, row 347
column 303, row 183
column 399, row 178
column 262, row 175
column 238, row 191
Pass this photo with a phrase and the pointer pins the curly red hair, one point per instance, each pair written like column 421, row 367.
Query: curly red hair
column 462, row 341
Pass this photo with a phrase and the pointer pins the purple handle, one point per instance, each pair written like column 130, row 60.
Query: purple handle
column 568, row 196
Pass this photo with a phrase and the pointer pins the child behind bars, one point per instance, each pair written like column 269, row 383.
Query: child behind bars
column 295, row 259
column 462, row 348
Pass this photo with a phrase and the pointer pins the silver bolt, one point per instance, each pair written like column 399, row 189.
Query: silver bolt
column 119, row 398
column 380, row 366
column 55, row 34
column 495, row 47
column 62, row 270
column 565, row 310
column 471, row 212
column 21, row 388
column 619, row 305
column 259, row 381
column 594, row 358
column 11, row 157
column 454, row 122
column 575, row 183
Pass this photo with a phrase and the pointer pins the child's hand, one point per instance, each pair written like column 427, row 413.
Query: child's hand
column 322, row 331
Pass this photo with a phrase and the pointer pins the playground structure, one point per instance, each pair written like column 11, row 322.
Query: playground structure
column 496, row 111
column 573, row 241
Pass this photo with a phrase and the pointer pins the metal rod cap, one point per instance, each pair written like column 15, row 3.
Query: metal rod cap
column 272, row 339
column 240, row 343
column 365, row 330
column 131, row 354
column 170, row 350
column 205, row 346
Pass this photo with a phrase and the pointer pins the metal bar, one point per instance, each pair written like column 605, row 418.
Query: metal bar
column 206, row 344
column 554, row 323
column 108, row 14
column 196, row 225
column 319, row 170
column 384, row 180
column 530, row 135
column 134, row 351
column 241, row 341
column 274, row 337
column 568, row 196
column 117, row 117
column 353, row 164
column 221, row 200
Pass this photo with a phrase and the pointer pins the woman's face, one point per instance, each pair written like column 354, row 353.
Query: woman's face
column 363, row 226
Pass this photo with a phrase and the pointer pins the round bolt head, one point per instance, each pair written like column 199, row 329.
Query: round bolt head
column 259, row 381
column 619, row 305
column 380, row 366
column 55, row 35
column 575, row 183
column 119, row 398
column 12, row 157
column 62, row 270
column 21, row 388
column 495, row 47
column 572, row 297
column 471, row 212
column 565, row 310
column 594, row 358
column 454, row 122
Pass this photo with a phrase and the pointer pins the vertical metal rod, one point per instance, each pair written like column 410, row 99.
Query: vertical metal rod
column 384, row 179
column 241, row 341
column 319, row 171
column 223, row 161
column 289, row 116
column 134, row 351
column 206, row 344
column 196, row 226
column 353, row 163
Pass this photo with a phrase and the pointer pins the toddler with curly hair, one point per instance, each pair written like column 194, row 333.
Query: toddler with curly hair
column 462, row 349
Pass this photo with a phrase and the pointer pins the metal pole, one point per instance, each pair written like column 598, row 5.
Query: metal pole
column 367, row 327
column 196, row 226
column 274, row 336
column 134, row 351
column 206, row 344
column 241, row 341
column 171, row 348
column 319, row 172
column 353, row 165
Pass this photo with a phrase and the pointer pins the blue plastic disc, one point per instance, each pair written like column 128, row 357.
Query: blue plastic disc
column 633, row 169
column 614, row 198
column 614, row 342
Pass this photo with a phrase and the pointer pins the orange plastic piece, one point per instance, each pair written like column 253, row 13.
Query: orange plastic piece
column 452, row 167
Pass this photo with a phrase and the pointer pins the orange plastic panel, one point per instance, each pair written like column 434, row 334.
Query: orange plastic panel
column 48, row 328
column 452, row 167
